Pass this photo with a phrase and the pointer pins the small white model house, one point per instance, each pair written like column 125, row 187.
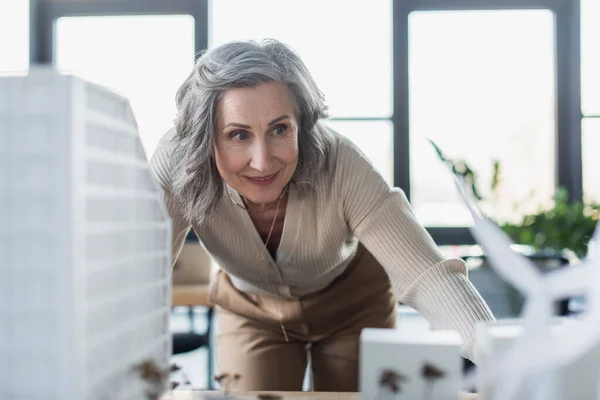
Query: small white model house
column 398, row 365
column 84, row 244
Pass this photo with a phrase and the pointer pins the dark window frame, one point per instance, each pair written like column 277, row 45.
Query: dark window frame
column 43, row 15
column 568, row 171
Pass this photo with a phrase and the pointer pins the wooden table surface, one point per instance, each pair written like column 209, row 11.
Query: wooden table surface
column 190, row 295
column 197, row 395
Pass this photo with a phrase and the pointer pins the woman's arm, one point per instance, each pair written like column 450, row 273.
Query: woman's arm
column 160, row 166
column 382, row 219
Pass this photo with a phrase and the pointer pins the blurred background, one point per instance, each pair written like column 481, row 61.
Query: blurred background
column 509, row 88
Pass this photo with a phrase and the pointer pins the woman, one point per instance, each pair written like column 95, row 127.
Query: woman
column 312, row 244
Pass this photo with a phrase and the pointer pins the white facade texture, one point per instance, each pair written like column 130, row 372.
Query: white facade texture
column 84, row 243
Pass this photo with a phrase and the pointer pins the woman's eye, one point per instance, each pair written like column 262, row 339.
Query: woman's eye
column 239, row 135
column 280, row 129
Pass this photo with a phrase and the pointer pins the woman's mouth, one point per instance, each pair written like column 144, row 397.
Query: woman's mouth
column 262, row 180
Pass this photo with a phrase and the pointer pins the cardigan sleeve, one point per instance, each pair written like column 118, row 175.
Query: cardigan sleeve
column 160, row 166
column 382, row 219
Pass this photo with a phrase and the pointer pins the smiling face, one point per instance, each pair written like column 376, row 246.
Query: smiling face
column 256, row 140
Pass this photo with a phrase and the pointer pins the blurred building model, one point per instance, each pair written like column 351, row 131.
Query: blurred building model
column 84, row 243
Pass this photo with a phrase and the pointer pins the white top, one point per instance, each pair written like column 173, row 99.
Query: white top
column 320, row 237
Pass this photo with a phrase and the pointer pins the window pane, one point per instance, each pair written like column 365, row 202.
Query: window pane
column 590, row 57
column 145, row 58
column 14, row 36
column 347, row 46
column 590, row 131
column 481, row 87
column 374, row 139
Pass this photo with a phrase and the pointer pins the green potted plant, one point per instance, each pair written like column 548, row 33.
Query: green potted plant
column 564, row 225
column 567, row 225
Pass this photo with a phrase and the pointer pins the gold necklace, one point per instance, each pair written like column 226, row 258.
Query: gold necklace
column 261, row 254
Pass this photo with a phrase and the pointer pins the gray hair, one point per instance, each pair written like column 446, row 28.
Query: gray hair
column 197, row 183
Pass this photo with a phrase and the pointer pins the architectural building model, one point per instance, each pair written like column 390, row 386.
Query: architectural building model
column 84, row 244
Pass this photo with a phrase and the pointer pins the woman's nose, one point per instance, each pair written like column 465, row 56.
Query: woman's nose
column 261, row 157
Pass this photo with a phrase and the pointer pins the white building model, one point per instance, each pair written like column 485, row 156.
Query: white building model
column 84, row 244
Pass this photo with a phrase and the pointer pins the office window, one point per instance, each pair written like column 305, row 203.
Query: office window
column 590, row 143
column 14, row 37
column 375, row 139
column 145, row 58
column 590, row 98
column 483, row 92
column 590, row 57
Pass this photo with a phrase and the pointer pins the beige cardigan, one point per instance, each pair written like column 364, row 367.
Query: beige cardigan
column 320, row 237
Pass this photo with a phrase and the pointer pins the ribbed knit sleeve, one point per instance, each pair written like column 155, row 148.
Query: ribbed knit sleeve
column 160, row 166
column 382, row 219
